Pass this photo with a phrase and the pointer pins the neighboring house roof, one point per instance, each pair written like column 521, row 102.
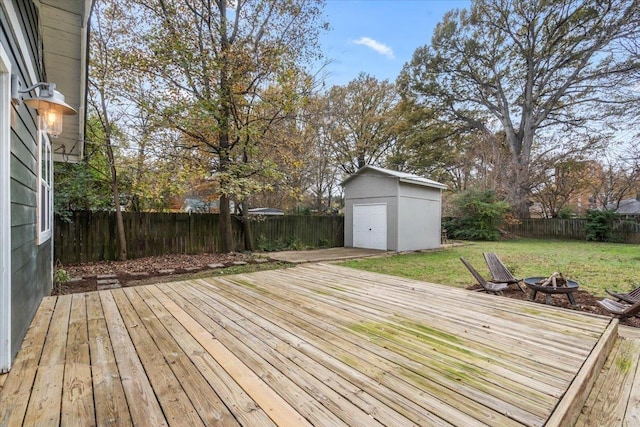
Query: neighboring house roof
column 65, row 27
column 402, row 176
column 266, row 211
column 628, row 207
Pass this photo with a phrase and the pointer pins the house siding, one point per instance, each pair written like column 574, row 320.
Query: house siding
column 31, row 264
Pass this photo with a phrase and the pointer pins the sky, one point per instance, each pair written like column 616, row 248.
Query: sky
column 378, row 36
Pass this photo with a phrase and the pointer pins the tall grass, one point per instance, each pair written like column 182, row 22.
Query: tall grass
column 595, row 266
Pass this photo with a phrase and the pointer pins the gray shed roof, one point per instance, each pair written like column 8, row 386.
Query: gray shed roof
column 402, row 176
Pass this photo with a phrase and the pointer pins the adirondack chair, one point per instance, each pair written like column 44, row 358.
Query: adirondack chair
column 620, row 309
column 499, row 272
column 630, row 297
column 489, row 287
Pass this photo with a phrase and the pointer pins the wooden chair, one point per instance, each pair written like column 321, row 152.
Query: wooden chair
column 630, row 297
column 489, row 287
column 619, row 309
column 499, row 272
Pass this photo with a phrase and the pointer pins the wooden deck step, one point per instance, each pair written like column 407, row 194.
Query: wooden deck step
column 615, row 397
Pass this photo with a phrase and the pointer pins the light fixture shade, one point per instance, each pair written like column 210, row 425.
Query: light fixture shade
column 51, row 107
column 44, row 101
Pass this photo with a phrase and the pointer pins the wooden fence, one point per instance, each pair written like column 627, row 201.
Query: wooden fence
column 92, row 236
column 624, row 231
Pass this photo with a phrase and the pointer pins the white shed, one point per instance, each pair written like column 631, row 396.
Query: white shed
column 390, row 210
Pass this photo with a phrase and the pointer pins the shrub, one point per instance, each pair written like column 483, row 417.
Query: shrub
column 290, row 244
column 565, row 213
column 600, row 225
column 60, row 277
column 478, row 215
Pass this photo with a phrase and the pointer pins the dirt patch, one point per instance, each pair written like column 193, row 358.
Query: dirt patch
column 585, row 302
column 158, row 269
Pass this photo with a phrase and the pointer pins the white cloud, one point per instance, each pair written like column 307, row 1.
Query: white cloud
column 381, row 48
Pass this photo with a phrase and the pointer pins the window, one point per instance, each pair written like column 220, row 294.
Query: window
column 45, row 181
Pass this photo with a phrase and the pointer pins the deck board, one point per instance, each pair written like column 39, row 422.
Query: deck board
column 311, row 345
column 16, row 392
column 611, row 395
column 632, row 413
column 143, row 405
column 393, row 362
column 238, row 402
column 257, row 345
column 111, row 407
column 208, row 406
column 77, row 396
column 44, row 407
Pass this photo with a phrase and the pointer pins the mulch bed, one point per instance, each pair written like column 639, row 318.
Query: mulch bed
column 147, row 270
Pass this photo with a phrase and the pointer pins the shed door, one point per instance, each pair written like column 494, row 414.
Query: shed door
column 370, row 226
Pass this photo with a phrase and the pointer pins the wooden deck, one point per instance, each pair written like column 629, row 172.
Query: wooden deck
column 311, row 345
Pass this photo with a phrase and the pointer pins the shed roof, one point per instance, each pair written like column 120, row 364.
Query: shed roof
column 401, row 176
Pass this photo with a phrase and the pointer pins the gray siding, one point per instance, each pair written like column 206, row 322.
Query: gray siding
column 367, row 185
column 31, row 264
column 419, row 192
column 420, row 213
column 419, row 224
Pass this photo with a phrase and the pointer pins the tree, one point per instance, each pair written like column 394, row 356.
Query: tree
column 364, row 113
column 477, row 215
column 616, row 177
column 457, row 156
column 530, row 68
column 103, row 92
column 560, row 180
column 218, row 63
column 84, row 185
column 322, row 172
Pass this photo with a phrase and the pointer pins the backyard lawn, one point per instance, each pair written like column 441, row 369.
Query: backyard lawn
column 596, row 266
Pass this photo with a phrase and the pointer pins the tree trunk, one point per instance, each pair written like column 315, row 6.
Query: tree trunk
column 224, row 121
column 122, row 238
column 519, row 192
column 246, row 227
column 226, row 231
column 519, row 188
column 107, row 127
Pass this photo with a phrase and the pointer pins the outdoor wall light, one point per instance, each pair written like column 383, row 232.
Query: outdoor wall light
column 49, row 103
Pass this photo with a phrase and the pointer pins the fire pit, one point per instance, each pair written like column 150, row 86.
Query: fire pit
column 555, row 284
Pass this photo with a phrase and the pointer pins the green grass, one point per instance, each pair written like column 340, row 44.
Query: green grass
column 596, row 266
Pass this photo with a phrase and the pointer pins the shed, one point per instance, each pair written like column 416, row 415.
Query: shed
column 390, row 210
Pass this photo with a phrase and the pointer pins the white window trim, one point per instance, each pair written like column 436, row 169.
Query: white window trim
column 44, row 222
column 5, row 212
